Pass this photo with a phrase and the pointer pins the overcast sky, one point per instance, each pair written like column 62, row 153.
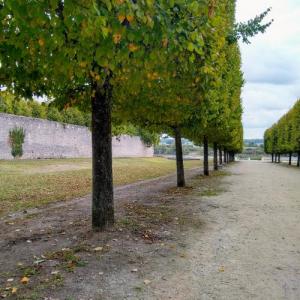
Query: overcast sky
column 271, row 64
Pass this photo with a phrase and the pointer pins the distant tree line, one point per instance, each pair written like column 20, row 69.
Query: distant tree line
column 30, row 108
column 284, row 136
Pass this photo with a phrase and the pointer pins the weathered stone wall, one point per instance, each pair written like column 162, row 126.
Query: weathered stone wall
column 47, row 139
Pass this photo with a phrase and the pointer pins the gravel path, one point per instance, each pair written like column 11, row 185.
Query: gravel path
column 225, row 237
column 250, row 248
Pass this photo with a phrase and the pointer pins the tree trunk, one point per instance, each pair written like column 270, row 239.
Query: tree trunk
column 298, row 161
column 102, row 198
column 220, row 157
column 205, row 145
column 290, row 158
column 225, row 157
column 272, row 157
column 215, row 156
column 179, row 158
column 279, row 158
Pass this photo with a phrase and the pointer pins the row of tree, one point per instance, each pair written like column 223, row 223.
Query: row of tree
column 166, row 66
column 284, row 136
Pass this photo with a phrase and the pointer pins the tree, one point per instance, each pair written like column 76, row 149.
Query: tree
column 284, row 136
column 77, row 52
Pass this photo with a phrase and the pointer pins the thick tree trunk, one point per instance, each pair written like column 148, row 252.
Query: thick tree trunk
column 279, row 158
column 179, row 159
column 290, row 158
column 216, row 157
column 205, row 162
column 102, row 203
column 272, row 157
column 298, row 160
column 225, row 157
column 220, row 157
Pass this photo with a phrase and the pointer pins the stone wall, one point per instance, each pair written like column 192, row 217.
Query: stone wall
column 48, row 139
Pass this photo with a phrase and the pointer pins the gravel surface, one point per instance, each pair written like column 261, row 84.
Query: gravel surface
column 234, row 235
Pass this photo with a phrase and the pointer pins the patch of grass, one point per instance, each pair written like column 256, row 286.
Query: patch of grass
column 138, row 289
column 130, row 224
column 32, row 183
column 68, row 259
column 140, row 218
column 209, row 193
column 30, row 270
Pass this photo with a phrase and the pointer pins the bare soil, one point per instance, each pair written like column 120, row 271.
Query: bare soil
column 234, row 235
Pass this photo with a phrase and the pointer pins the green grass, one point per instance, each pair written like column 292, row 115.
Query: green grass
column 33, row 183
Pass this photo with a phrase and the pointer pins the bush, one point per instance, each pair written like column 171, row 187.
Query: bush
column 16, row 140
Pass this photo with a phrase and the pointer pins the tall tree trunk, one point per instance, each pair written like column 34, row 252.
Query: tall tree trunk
column 179, row 158
column 279, row 158
column 298, row 160
column 225, row 160
column 215, row 156
column 272, row 157
column 290, row 158
column 102, row 203
column 205, row 162
column 220, row 156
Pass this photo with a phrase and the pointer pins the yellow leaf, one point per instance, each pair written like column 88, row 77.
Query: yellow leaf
column 25, row 280
column 41, row 42
column 132, row 47
column 130, row 18
column 121, row 18
column 14, row 290
column 117, row 38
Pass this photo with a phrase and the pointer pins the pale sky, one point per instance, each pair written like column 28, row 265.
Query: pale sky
column 271, row 64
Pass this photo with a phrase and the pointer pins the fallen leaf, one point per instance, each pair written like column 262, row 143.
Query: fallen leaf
column 134, row 270
column 10, row 280
column 146, row 281
column 38, row 261
column 54, row 272
column 25, row 280
column 222, row 269
column 98, row 249
column 14, row 290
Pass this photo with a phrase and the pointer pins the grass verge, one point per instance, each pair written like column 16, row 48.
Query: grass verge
column 32, row 183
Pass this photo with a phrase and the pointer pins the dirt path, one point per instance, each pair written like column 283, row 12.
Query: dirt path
column 224, row 237
column 250, row 248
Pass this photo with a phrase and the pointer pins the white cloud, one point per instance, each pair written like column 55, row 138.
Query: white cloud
column 271, row 64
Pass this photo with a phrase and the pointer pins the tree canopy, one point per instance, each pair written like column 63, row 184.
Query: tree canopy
column 284, row 136
column 162, row 65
